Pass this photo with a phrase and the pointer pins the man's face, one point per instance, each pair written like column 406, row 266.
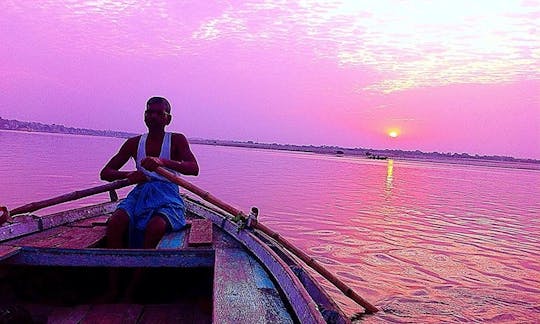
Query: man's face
column 156, row 116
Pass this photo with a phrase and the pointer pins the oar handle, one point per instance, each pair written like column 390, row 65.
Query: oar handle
column 304, row 257
column 31, row 207
column 199, row 192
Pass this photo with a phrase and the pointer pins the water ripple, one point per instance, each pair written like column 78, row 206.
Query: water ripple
column 444, row 243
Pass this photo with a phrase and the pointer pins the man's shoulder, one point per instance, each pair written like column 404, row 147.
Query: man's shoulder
column 179, row 141
column 178, row 137
column 134, row 139
column 132, row 143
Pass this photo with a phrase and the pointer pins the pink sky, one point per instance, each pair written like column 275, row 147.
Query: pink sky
column 448, row 76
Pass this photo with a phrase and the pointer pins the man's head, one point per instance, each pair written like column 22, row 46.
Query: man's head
column 157, row 114
column 160, row 101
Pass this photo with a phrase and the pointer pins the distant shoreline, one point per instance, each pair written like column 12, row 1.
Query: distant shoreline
column 16, row 125
column 374, row 154
column 525, row 164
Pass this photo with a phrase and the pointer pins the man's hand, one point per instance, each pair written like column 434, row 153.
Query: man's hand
column 151, row 163
column 136, row 177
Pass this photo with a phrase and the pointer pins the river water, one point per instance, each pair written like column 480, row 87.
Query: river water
column 424, row 242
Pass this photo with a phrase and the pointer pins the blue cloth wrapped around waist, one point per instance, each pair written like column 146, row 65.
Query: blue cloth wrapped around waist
column 151, row 198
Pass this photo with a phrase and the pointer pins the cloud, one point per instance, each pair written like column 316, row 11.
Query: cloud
column 411, row 43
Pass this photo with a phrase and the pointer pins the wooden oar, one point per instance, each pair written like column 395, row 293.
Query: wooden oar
column 304, row 257
column 318, row 267
column 28, row 208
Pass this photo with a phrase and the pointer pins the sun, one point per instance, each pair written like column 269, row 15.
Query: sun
column 393, row 134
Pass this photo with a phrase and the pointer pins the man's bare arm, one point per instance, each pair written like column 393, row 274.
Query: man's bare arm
column 111, row 170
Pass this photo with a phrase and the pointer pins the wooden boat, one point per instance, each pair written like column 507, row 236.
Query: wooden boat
column 222, row 268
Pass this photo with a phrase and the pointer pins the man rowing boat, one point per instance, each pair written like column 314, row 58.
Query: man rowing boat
column 154, row 206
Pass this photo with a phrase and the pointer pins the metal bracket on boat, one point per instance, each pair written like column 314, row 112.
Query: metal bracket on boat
column 252, row 218
column 5, row 216
column 240, row 221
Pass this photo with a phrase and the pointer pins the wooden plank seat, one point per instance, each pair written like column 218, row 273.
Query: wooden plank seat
column 73, row 245
column 89, row 232
column 62, row 237
column 174, row 240
column 198, row 232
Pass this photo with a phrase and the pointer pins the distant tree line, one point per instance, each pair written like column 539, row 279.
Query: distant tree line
column 11, row 124
column 322, row 149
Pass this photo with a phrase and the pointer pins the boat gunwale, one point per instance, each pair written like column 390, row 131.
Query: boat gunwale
column 31, row 223
column 314, row 288
column 296, row 294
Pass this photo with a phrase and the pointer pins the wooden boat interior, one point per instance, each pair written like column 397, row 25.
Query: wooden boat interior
column 55, row 267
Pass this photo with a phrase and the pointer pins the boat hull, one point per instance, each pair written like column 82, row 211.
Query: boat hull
column 252, row 279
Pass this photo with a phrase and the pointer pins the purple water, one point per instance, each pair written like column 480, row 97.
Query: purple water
column 425, row 242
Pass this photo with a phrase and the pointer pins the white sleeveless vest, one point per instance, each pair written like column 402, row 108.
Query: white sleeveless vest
column 165, row 153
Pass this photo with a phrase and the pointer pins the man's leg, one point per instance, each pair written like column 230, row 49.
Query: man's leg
column 156, row 228
column 117, row 227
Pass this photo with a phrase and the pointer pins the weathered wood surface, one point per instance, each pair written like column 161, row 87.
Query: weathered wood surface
column 242, row 290
column 62, row 237
column 28, row 224
column 68, row 315
column 174, row 240
column 65, row 217
column 197, row 233
column 331, row 311
column 298, row 298
column 254, row 224
column 61, row 246
column 23, row 225
column 92, row 221
column 112, row 314
column 188, row 258
column 179, row 314
column 8, row 251
column 200, row 232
